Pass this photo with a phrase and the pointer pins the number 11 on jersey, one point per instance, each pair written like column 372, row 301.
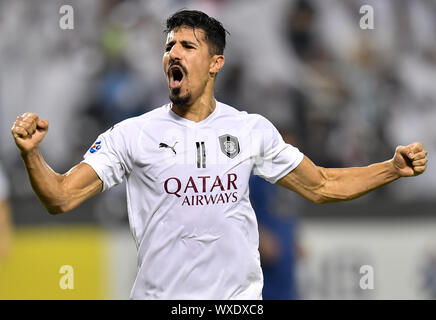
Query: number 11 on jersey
column 201, row 154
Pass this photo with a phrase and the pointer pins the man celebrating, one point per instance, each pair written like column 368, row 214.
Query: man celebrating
column 187, row 166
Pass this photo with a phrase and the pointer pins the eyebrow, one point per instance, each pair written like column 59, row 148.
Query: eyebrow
column 184, row 42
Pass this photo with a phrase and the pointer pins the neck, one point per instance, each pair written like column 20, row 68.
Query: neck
column 199, row 109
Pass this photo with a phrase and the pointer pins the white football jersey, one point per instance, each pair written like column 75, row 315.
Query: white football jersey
column 188, row 198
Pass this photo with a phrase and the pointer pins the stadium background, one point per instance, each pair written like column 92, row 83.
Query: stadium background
column 346, row 96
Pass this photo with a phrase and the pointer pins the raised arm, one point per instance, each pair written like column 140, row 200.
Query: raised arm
column 321, row 185
column 58, row 192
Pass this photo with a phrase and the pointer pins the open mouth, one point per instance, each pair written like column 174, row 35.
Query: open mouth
column 176, row 76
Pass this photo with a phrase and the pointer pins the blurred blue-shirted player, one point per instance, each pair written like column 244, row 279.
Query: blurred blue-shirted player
column 276, row 214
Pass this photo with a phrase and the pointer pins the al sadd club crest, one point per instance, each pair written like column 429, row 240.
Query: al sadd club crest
column 229, row 145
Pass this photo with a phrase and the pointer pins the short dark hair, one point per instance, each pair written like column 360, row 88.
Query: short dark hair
column 213, row 29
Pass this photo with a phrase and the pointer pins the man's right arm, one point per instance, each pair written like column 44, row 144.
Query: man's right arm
column 58, row 192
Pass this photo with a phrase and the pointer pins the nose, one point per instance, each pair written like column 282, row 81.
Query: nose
column 175, row 53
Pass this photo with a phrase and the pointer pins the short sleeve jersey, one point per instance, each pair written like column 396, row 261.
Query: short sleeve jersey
column 188, row 198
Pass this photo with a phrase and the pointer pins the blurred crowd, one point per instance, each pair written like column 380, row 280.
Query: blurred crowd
column 343, row 95
column 347, row 96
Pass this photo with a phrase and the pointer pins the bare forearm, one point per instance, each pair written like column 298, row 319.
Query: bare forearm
column 321, row 185
column 57, row 192
column 61, row 192
column 350, row 183
column 47, row 184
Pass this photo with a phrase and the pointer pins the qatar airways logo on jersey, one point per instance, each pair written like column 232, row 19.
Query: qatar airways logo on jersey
column 203, row 190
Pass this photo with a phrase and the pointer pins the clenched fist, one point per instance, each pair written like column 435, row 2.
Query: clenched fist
column 410, row 160
column 28, row 131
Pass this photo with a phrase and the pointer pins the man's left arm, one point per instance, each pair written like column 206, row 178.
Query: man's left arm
column 322, row 185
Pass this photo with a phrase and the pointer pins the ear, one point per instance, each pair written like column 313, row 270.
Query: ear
column 217, row 62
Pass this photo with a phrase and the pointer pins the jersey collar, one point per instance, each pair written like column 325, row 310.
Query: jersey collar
column 191, row 123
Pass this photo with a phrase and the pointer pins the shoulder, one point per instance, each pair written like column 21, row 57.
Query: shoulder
column 252, row 120
column 133, row 124
column 125, row 135
column 247, row 120
column 231, row 112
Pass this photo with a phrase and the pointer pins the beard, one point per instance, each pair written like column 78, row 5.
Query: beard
column 178, row 100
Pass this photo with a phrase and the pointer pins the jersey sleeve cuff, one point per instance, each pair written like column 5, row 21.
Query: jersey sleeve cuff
column 99, row 171
column 288, row 169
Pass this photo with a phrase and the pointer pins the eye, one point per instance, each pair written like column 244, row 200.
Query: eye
column 168, row 48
